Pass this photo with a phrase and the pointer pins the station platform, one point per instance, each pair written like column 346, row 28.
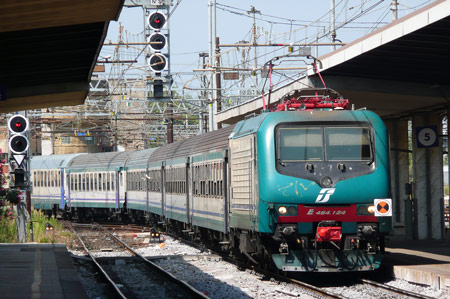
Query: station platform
column 38, row 271
column 425, row 262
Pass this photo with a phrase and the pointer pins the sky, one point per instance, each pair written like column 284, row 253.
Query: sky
column 282, row 21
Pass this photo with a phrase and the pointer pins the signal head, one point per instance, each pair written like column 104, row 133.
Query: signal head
column 157, row 41
column 18, row 124
column 18, row 144
column 156, row 20
column 157, row 62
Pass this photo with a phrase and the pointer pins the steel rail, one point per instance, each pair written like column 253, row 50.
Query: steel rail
column 394, row 289
column 170, row 276
column 113, row 284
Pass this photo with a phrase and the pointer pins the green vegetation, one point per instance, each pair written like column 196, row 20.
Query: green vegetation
column 8, row 229
column 45, row 230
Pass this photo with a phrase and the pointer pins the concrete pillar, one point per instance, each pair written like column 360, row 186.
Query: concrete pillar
column 399, row 160
column 428, row 180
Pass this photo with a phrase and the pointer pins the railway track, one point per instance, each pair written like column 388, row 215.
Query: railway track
column 312, row 290
column 394, row 290
column 154, row 281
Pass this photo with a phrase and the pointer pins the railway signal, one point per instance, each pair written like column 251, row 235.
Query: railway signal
column 18, row 126
column 157, row 20
column 157, row 34
column 157, row 41
column 157, row 62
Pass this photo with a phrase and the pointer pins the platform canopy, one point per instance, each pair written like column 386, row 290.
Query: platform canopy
column 48, row 49
column 397, row 70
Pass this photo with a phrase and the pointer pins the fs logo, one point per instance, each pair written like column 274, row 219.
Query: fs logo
column 324, row 195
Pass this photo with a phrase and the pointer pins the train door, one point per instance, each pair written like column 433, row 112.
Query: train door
column 120, row 189
column 69, row 188
column 224, row 188
column 188, row 191
column 61, row 183
column 117, row 185
column 147, row 190
column 163, row 190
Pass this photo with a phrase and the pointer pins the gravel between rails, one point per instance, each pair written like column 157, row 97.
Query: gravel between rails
column 219, row 279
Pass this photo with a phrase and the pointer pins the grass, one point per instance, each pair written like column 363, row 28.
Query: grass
column 8, row 229
column 41, row 233
column 47, row 230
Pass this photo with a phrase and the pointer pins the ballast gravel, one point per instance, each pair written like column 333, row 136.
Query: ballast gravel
column 219, row 279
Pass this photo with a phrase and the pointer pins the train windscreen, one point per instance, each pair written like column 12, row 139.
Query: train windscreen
column 296, row 143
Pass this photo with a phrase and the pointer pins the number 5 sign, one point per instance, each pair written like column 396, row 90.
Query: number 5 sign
column 427, row 136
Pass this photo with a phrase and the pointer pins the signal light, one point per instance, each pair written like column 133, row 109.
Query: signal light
column 18, row 144
column 157, row 62
column 18, row 124
column 157, row 41
column 157, row 20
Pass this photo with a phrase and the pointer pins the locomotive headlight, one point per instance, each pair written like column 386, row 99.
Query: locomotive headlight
column 282, row 210
column 292, row 210
column 365, row 209
column 326, row 181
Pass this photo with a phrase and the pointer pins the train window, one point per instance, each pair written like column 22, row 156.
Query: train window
column 104, row 182
column 348, row 144
column 108, row 181
column 300, row 144
column 71, row 181
column 100, row 178
column 121, row 179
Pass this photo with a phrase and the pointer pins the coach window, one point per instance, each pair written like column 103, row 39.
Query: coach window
column 74, row 179
column 100, row 182
column 80, row 186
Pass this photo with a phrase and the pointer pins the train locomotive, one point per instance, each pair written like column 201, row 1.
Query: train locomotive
column 294, row 189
